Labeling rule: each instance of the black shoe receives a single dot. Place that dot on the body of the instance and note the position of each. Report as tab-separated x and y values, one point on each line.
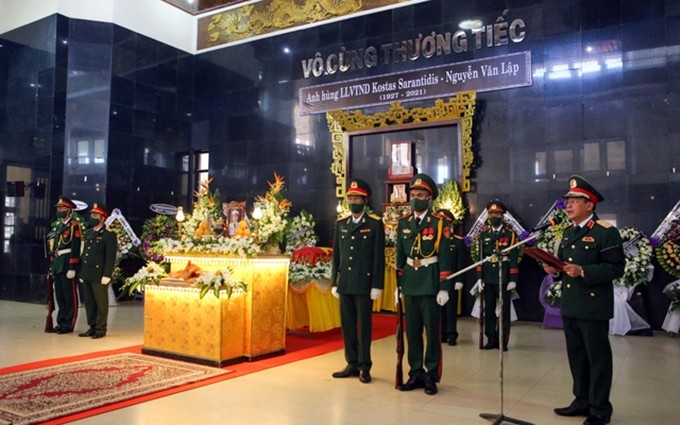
412	384
54	330
88	333
596	420
346	372
98	335
62	331
490	345
572	410
452	342
365	376
505	347
430	386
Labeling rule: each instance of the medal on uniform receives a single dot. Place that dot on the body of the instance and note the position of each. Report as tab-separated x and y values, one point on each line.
416	263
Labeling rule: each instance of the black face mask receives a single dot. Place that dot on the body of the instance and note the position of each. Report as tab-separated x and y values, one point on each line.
495	221
419	204
356	208
61	214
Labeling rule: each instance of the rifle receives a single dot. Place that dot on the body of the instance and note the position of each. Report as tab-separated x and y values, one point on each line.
49	326
399	378
481	304
47	248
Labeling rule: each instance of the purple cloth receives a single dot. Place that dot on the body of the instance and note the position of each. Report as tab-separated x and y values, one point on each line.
552	317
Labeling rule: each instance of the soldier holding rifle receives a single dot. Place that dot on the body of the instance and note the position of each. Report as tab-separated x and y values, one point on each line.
64	263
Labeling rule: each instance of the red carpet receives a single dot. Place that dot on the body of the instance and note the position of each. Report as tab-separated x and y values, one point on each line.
298	347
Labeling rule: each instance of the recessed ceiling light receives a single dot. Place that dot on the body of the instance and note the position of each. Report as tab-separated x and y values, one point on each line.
470	24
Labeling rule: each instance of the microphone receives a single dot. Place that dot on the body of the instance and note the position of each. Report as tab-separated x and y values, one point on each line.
552	222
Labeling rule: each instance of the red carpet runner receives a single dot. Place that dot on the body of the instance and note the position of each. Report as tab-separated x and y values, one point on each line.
298	347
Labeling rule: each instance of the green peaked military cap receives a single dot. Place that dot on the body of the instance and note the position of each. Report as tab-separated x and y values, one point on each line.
496	205
358	187
423	181
63	201
99	208
581	188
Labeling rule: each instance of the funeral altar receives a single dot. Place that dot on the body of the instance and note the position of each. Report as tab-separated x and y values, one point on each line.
222	329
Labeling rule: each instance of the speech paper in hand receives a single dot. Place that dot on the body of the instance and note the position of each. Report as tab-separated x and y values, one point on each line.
543	256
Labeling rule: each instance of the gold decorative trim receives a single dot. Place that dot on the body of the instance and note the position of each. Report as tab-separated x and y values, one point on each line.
460	109
271	16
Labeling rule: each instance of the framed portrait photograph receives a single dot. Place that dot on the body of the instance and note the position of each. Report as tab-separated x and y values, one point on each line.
400	161
234	212
398	193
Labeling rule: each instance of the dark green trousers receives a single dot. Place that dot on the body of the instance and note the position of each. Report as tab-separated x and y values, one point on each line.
356	319
96	300
490	319
423	311
590	361
67	300
450	317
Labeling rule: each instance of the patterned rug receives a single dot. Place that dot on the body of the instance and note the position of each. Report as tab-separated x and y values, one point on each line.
40	394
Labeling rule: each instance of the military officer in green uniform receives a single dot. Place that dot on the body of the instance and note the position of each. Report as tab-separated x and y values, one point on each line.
423	262
458	259
496	236
99	258
593	252
357	278
64	264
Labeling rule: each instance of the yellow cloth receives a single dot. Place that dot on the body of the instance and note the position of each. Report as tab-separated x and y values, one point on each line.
311	304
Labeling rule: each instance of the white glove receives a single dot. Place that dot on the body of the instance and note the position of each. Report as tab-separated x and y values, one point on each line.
105	280
70	274
442	297
334	291
375	293
512	285
458	286
479	286
396	297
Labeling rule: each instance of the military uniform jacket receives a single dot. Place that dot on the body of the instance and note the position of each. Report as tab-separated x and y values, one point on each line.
358	255
490	242
99	254
457	249
65	253
419	242
598	248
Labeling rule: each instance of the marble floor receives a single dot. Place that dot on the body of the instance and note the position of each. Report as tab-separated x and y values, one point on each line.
536	379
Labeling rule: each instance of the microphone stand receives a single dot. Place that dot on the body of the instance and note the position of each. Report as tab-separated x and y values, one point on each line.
499	418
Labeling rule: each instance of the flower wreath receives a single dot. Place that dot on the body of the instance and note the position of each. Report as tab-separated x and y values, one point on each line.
300	232
672	291
638	252
668	250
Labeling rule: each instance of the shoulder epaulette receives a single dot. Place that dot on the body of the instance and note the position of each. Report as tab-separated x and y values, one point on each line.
604	224
458	237
375	216
344	217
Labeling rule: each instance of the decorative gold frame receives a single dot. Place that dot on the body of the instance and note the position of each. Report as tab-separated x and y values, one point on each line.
459	109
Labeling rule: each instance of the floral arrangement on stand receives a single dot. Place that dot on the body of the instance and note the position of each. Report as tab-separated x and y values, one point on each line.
218	281
153	230
306	270
450	199
550	239
151	273
672	291
271	227
300	232
554	293
206	214
668	250
638	252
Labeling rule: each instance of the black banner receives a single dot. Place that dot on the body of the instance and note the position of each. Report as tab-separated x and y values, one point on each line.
480	75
